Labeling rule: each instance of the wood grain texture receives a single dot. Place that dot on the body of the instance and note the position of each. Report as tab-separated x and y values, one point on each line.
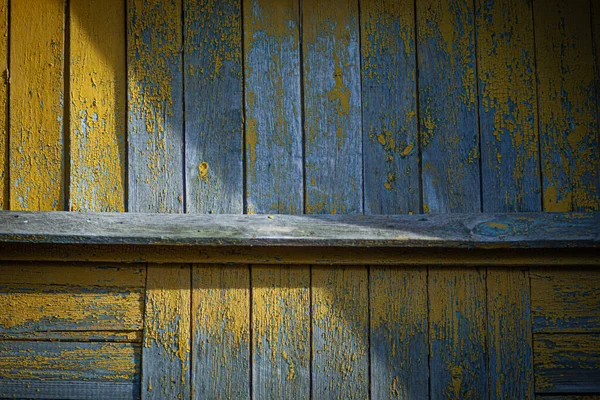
449	136
332	104
213	106
221	332
98	104
568	397
509	333
155	114
281	332
467	231
596	39
340	328
565	301
69	370
389	103
508	106
273	107
36	105
458	365
567	103
76	302
398	333
167	344
4	127
567	363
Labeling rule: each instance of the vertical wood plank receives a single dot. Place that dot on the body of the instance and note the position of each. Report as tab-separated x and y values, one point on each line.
281	332
568	108
213	106
273	106
98	79
457	326
398	329
166	352
4	80
221	334
508	115
509	333
340	326
596	38
36	104
389	103
333	144
449	133
155	106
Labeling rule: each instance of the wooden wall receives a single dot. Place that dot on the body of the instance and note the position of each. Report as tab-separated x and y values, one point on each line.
282	106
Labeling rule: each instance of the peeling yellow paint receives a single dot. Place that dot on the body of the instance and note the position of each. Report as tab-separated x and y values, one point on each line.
4	79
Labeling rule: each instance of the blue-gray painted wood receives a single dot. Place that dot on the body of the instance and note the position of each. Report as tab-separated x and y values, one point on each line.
332	104
507	106
65	370
449	135
273	107
155	109
213	106
389	103
567	363
398	333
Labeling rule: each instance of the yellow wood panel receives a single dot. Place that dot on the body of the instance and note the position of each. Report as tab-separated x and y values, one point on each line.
98	79
4	79
567	102
36	105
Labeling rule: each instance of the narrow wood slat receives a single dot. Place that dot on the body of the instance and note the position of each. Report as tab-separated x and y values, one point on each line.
4	100
340	329
213	106
167	344
155	114
595	15
221	334
281	332
97	105
509	333
449	136
389	103
332	104
567	102
273	107
565	301
508	106
567	363
36	105
567	397
398	333
76	336
457	334
61	370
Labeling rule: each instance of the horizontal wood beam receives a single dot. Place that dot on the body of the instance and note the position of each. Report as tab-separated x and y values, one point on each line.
458	231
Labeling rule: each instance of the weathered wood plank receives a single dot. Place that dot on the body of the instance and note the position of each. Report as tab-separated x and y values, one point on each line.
36	105
155	114
491	231
340	329
4	128
167	345
97	116
509	333
457	334
596	39
568	397
273	107
213	106
76	336
508	106
281	332
332	104
398	329
389	104
567	103
62	370
449	136
565	301
221	334
567	363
